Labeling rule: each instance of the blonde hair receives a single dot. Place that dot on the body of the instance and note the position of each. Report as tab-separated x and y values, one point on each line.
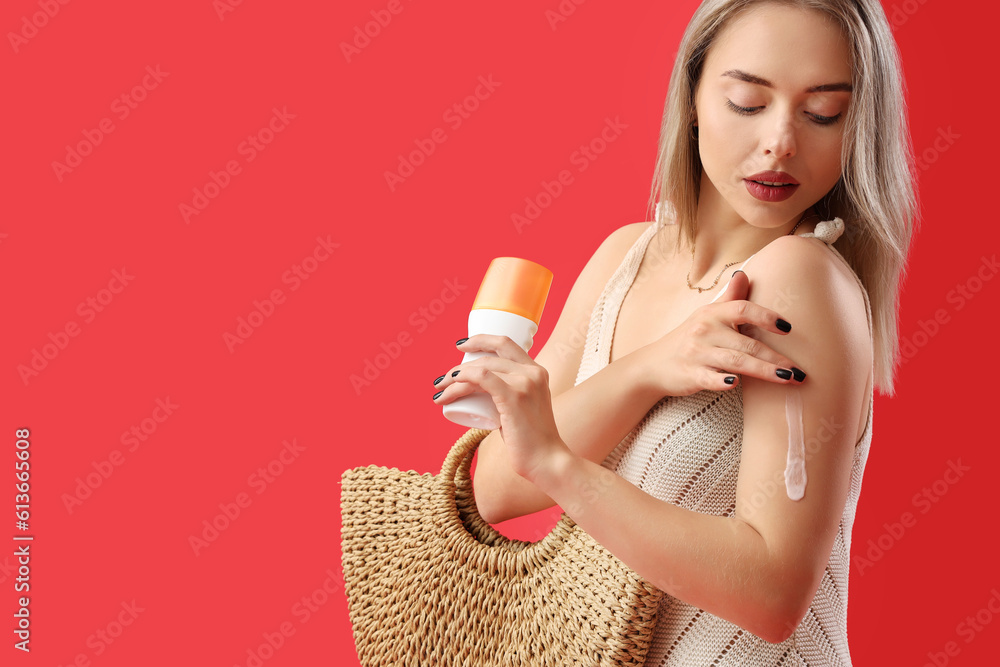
876	194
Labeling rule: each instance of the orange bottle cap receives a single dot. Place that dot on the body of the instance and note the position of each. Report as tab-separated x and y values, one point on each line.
515	285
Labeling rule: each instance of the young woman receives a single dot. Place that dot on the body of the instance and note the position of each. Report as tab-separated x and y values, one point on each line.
735	408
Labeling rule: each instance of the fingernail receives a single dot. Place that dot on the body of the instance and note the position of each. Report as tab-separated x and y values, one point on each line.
799	375
437	395
730	379
783	325
459	342
783	373
454	374
439	379
738	271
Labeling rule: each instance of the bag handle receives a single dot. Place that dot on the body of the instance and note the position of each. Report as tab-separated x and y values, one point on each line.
459	459
485	548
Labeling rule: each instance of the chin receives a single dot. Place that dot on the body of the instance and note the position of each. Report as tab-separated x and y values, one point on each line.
764	219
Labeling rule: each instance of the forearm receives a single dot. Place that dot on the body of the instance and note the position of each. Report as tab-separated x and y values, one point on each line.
592	418
719	564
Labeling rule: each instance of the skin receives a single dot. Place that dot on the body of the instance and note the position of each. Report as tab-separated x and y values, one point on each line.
759	568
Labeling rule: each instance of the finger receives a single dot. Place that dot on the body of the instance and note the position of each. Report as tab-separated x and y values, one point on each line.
737	291
736	362
490	362
738	288
750	346
747	312
503	346
471	380
719	380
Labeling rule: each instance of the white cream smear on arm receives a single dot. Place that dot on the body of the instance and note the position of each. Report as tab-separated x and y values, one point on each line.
795	467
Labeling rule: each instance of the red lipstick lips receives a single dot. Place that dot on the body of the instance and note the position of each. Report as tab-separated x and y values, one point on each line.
771	186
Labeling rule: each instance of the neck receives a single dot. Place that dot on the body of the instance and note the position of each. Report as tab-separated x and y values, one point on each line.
722	236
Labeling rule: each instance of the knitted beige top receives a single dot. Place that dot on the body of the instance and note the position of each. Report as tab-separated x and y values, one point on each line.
686	451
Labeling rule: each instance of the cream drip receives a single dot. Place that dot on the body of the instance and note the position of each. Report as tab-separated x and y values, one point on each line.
795	467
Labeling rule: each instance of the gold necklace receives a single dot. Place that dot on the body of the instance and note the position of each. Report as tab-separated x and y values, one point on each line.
716	281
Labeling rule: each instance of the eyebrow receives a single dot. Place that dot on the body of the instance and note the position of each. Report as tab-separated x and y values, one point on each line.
752	78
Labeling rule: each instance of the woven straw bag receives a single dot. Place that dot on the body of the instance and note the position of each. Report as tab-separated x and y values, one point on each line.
430	584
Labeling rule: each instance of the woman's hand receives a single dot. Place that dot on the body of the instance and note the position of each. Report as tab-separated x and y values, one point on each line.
708	351
520	391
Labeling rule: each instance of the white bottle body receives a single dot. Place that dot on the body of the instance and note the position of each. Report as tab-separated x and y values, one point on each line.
477	410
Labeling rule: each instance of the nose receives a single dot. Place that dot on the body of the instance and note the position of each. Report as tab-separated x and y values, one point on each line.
780	139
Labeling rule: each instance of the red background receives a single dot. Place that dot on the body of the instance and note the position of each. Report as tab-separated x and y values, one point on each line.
162	336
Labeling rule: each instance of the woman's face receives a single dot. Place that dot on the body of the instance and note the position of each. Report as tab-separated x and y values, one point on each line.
773	95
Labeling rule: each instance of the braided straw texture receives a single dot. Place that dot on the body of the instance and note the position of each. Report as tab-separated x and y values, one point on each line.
430	583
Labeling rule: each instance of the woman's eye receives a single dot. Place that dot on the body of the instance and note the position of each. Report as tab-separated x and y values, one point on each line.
825	120
743	111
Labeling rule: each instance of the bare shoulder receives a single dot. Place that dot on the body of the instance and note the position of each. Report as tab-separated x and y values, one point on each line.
620	241
805	275
606	259
563	351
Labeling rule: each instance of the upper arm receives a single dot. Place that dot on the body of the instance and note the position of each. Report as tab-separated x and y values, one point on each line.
810	288
563	351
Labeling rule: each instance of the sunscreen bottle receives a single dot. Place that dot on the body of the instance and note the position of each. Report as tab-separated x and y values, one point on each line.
509	303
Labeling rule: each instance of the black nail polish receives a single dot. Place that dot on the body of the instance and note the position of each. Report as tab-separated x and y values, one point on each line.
798	374
438	380
730	379
783	373
738	271
438	394
459	342
783	325
455	373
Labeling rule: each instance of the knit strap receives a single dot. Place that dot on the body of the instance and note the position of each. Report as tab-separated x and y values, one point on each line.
827	231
